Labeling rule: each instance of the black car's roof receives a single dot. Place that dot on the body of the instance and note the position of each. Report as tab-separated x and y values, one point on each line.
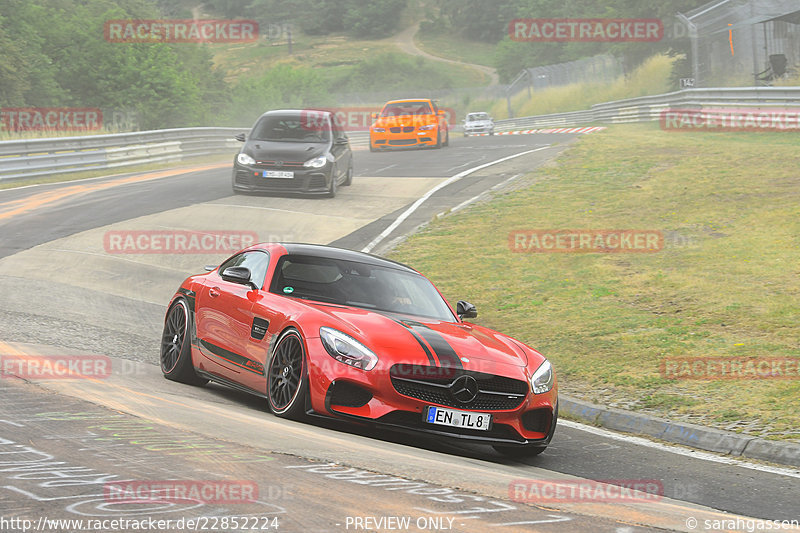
331	252
294	112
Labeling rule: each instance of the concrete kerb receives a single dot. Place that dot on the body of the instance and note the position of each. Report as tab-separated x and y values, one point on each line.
692	435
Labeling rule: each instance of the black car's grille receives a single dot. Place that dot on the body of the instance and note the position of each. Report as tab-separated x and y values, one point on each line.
316	182
268	163
434	385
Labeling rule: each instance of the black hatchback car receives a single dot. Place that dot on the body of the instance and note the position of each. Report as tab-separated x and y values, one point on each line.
293	150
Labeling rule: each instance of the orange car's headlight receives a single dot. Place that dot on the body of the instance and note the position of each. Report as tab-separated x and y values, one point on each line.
379	130
427	127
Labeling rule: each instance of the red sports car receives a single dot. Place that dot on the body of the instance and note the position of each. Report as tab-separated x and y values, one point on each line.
324	331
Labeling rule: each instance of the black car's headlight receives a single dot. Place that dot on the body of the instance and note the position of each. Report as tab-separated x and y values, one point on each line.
347	350
542	379
244	159
317	162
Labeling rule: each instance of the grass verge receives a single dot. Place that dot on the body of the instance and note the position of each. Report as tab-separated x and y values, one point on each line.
725	284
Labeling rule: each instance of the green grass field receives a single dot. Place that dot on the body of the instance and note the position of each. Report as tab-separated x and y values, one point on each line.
725	284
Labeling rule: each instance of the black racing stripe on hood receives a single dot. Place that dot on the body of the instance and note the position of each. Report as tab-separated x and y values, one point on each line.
431	360
446	354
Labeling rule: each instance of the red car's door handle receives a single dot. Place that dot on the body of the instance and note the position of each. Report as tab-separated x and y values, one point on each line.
213	292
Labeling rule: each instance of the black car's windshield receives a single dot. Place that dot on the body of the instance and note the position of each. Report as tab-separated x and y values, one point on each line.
357	284
291	128
407	108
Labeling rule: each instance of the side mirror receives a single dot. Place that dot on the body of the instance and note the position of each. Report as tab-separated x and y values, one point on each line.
239	275
209	268
465	310
441	113
241	137
342	141
374	115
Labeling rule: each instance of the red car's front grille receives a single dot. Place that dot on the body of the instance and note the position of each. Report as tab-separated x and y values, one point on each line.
433	385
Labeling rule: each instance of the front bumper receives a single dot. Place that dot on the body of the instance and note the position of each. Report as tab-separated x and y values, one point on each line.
305	180
479	130
403	139
372	397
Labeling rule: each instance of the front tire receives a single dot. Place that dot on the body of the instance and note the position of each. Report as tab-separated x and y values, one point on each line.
176	346
446	138
287	376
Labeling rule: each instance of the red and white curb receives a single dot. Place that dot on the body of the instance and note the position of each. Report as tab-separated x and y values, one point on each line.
550	130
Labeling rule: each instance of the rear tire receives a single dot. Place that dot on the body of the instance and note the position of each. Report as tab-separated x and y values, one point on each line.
438	140
446	138
176	346
287	377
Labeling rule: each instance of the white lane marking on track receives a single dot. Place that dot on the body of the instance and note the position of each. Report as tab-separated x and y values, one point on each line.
405	214
688	452
385	168
467	163
465	203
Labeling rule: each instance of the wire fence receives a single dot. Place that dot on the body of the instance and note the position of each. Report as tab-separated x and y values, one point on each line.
744	42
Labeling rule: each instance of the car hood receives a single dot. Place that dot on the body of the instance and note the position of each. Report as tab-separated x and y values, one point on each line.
284	151
404	339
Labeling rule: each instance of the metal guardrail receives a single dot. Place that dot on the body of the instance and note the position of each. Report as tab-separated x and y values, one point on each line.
39	157
61	155
30	158
649	108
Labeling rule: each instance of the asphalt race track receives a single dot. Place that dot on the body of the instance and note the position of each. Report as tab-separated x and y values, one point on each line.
66	292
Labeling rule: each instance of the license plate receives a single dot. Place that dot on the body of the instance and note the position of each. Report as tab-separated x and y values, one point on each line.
458	419
278	174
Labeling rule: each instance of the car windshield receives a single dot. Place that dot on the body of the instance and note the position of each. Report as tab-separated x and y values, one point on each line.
472	117
290	128
406	108
360	285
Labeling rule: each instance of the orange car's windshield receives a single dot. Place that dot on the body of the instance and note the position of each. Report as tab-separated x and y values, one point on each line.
407	108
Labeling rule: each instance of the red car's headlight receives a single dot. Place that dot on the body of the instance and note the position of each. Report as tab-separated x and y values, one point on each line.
542	380
347	350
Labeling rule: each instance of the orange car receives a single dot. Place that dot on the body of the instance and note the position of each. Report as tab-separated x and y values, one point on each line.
414	122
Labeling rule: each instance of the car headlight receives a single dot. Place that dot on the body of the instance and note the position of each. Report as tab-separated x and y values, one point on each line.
379	130
542	379
347	350
245	159
317	162
425	128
